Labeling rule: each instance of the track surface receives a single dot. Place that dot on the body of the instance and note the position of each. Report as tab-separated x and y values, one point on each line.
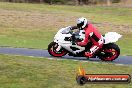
43	53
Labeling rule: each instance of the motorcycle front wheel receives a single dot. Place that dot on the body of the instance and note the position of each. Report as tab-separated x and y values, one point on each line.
109	52
52	50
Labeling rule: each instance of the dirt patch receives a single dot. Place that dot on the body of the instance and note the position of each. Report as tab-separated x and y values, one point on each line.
104	27
32	20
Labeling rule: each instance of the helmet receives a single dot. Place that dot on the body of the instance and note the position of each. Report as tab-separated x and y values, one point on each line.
82	22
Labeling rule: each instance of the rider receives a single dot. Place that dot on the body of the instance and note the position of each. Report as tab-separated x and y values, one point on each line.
90	33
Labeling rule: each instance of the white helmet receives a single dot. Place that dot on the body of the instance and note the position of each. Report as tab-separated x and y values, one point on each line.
82	22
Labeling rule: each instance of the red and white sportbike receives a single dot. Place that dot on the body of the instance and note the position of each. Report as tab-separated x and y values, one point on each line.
63	44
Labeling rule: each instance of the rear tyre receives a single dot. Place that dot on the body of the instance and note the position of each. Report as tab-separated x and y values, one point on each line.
52	50
109	52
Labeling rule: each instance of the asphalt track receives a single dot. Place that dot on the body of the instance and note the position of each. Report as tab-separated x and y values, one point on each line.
127	60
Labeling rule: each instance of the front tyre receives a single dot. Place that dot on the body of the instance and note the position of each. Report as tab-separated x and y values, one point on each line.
52	50
109	52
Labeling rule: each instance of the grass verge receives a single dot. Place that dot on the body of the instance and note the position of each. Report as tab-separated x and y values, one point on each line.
31	72
34	25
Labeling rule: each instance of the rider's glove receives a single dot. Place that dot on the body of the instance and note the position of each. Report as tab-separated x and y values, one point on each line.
79	43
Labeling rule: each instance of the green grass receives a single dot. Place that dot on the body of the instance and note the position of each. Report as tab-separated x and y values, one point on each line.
29	72
26	38
34	25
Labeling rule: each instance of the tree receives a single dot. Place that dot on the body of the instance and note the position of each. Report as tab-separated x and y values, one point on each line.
76	2
85	2
108	2
41	1
79	2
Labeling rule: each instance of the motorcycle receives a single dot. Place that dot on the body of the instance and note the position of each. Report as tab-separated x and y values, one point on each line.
65	43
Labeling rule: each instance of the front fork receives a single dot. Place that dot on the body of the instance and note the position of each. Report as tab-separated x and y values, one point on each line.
58	45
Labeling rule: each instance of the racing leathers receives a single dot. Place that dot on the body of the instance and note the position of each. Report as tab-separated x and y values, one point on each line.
95	37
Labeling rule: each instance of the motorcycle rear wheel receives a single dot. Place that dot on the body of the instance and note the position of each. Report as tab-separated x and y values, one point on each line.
109	52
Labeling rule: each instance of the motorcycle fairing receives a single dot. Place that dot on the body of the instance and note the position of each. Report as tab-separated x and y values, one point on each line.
60	39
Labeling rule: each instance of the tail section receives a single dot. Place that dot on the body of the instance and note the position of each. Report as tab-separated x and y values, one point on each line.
111	37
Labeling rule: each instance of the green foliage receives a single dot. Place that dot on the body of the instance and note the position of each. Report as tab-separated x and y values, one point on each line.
73	2
116	1
56	1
